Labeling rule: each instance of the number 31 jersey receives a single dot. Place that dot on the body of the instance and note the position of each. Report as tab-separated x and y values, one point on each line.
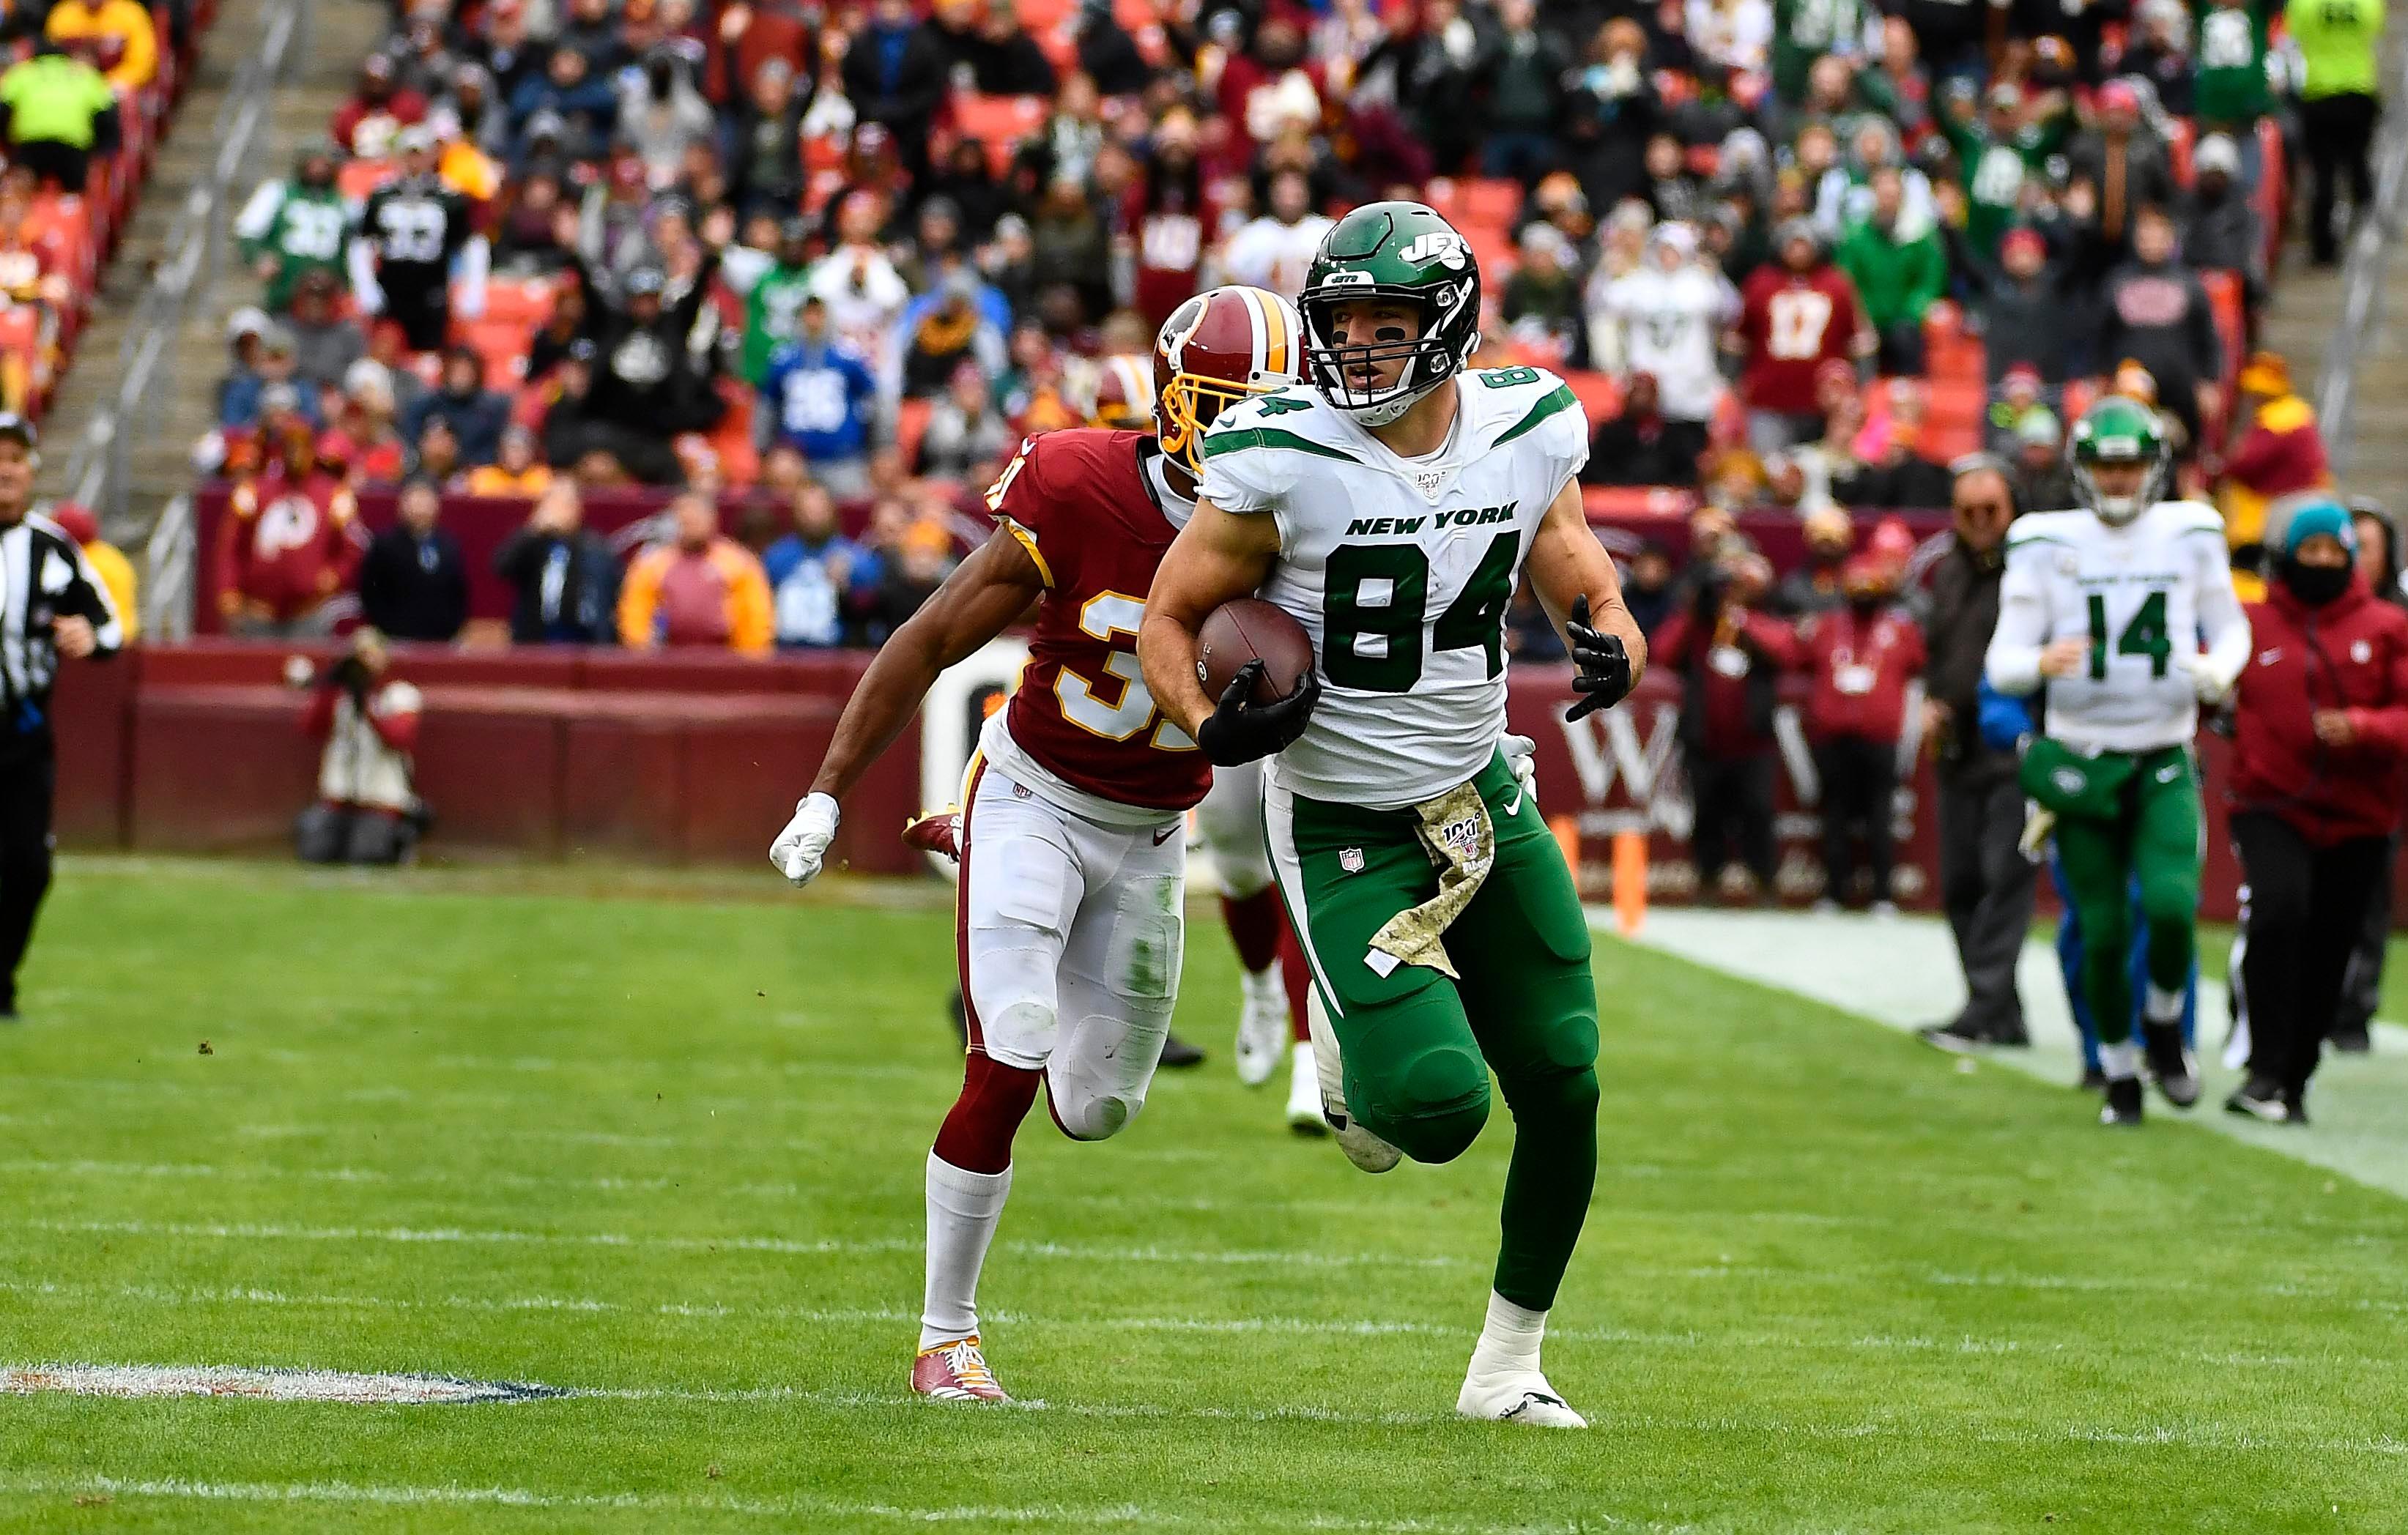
1400	569
2143	595
1091	508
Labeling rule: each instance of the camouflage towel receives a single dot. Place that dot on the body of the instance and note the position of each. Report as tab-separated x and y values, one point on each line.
1455	831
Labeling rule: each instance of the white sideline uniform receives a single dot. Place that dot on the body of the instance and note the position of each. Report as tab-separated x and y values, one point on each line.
1071	930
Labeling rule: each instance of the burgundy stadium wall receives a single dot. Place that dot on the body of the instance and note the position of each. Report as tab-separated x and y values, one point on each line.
698	758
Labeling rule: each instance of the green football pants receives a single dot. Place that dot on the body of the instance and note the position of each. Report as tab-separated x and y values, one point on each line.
2150	827
1418	1046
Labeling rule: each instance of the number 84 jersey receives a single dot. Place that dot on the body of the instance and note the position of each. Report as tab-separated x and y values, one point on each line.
1095	515
1400	569
2146	596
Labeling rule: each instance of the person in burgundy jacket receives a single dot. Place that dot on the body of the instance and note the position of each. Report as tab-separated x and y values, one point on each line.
1859	658
1729	658
2319	780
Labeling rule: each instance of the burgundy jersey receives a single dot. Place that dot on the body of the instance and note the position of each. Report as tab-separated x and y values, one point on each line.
1793	322
1081	502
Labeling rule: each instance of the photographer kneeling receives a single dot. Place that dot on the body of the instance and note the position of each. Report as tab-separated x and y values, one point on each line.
367	810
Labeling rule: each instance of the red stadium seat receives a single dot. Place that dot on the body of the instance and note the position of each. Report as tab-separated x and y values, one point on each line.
1602	503
2180	141
358	177
1492	203
521	301
2231	324
1600	394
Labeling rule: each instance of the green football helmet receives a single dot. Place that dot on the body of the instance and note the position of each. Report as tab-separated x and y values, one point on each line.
2120	431
1401	250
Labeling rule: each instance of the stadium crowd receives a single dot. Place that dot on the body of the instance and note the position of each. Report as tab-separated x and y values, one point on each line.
1798	255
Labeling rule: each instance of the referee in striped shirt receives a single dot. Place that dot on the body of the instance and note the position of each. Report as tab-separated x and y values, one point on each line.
52	605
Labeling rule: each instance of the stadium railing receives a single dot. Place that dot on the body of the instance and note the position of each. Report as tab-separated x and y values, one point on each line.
100	469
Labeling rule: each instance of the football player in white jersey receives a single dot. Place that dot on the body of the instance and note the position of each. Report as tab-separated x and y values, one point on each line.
1390	505
2106	607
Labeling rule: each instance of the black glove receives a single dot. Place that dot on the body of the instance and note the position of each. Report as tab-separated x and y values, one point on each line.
1603	664
1239	730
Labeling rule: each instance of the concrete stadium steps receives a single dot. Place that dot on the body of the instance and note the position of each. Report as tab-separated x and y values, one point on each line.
339	32
2303	320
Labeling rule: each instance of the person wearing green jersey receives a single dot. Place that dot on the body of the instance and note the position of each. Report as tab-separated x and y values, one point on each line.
771	308
1806	30
290	228
2337	41
2232	94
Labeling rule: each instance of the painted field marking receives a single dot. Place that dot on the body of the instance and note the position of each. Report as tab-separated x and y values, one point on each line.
1903	974
787	1507
342	1385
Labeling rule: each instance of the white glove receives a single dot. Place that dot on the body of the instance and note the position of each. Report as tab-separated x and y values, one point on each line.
804	841
2207	680
1522	756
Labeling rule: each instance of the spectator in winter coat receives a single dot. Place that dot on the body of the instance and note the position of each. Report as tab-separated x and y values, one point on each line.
2279	451
1816	585
895	75
2021	306
1898	268
661	114
2157	314
810	572
2221	230
701	588
2042	482
2117	169
1730	657
289	542
475	414
2319	778
413	582
564	576
376	109
325	341
967	436
1640	447
1859	658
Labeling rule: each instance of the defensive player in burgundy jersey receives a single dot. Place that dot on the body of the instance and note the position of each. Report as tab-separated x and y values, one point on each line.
1272	981
1072	834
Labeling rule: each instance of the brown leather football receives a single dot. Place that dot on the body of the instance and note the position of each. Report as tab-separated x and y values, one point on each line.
1250	629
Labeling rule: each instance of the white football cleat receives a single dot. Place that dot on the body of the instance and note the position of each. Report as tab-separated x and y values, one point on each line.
1262	1024
1363	1148
1514	1396
1304	1092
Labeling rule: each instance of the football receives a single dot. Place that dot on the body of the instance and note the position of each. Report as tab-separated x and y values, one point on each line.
1246	630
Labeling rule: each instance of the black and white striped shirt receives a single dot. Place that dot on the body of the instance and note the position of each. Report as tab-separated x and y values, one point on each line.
43	578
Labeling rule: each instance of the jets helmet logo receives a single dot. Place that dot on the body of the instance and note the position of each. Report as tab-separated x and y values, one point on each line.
1445	246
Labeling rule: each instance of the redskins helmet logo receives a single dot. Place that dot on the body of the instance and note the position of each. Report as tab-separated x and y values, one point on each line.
1217	348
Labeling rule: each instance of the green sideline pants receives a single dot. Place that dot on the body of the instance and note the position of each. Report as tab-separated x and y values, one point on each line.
2135	814
1418	1046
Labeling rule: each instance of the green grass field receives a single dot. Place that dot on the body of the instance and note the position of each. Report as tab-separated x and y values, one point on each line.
664	1146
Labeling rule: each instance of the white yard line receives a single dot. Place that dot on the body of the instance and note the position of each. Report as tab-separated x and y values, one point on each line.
1902	972
786	1506
245	1232
1783	1339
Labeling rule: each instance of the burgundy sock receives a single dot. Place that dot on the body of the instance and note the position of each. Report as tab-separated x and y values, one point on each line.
978	1130
1299	982
1254	926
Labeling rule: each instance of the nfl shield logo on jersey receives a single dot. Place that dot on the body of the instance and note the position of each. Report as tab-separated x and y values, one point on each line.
1430	480
1350	860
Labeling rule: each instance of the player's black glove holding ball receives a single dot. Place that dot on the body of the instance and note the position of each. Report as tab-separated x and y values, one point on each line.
1239	730
1602	664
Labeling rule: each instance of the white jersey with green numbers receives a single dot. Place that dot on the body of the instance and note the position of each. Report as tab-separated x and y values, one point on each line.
2154	599
1400	569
